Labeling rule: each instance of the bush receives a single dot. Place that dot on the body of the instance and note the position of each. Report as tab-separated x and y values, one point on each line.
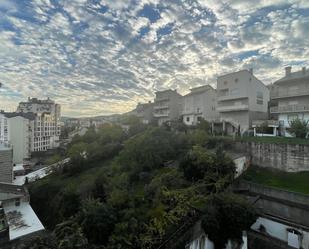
299	128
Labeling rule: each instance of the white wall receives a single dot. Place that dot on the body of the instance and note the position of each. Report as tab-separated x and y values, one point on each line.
279	230
19	138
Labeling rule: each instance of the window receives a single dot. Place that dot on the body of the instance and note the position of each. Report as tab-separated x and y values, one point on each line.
259	98
188	119
236	80
234	91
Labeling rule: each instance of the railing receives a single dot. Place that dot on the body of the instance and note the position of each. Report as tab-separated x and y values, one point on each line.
281	93
157	114
268	122
226	108
157	107
289	108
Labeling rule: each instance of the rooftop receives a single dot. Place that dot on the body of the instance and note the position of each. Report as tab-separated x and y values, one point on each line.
304	73
22	220
28	115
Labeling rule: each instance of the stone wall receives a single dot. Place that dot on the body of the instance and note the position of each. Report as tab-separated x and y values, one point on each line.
286	157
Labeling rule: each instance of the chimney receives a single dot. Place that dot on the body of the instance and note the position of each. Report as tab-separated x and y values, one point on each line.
304	70
288	71
251	70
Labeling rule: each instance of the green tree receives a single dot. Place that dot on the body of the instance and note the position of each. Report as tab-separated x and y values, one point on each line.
97	220
226	216
299	128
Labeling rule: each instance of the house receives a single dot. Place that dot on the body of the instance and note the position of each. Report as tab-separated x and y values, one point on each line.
241	98
290	98
199	104
167	106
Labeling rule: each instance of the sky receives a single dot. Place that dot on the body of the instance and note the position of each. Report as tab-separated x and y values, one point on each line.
99	57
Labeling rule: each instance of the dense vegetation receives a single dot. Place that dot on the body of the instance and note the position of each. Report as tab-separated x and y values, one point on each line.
134	189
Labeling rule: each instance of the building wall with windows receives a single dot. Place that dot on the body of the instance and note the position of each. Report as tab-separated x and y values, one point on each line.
290	97
199	104
47	125
241	97
6	163
167	106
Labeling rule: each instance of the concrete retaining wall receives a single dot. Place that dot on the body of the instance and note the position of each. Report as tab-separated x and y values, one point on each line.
286	157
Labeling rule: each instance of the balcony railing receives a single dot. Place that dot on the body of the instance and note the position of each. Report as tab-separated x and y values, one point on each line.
289	108
158	114
231	108
158	107
268	122
282	93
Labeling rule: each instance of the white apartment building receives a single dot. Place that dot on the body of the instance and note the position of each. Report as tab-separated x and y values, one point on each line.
199	104
167	106
290	98
47	125
241	98
17	130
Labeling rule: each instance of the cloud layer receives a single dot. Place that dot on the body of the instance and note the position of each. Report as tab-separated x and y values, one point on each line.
100	57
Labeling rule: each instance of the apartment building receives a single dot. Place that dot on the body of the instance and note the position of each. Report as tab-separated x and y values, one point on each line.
144	111
6	163
17	129
47	125
241	98
290	98
199	104
167	106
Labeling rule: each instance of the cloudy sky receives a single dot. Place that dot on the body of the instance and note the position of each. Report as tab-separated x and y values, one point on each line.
103	56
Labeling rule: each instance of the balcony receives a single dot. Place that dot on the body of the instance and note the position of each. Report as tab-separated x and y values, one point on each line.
283	93
270	123
233	108
159	107
231	97
160	115
289	108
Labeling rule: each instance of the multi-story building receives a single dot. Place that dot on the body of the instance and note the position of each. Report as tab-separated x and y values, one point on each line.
167	106
145	112
290	98
17	130
199	104
47	125
241	98
6	163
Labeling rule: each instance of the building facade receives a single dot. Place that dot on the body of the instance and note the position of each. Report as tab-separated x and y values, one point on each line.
6	163
167	106
241	99
290	98
199	104
47	125
17	130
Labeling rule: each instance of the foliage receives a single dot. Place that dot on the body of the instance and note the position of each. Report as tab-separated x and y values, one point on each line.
97	221
204	125
199	163
226	216
130	191
299	128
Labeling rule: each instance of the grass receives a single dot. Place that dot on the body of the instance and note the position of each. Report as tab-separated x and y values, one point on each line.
275	140
295	182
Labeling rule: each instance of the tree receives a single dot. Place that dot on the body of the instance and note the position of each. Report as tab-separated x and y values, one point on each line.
97	221
299	128
226	216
